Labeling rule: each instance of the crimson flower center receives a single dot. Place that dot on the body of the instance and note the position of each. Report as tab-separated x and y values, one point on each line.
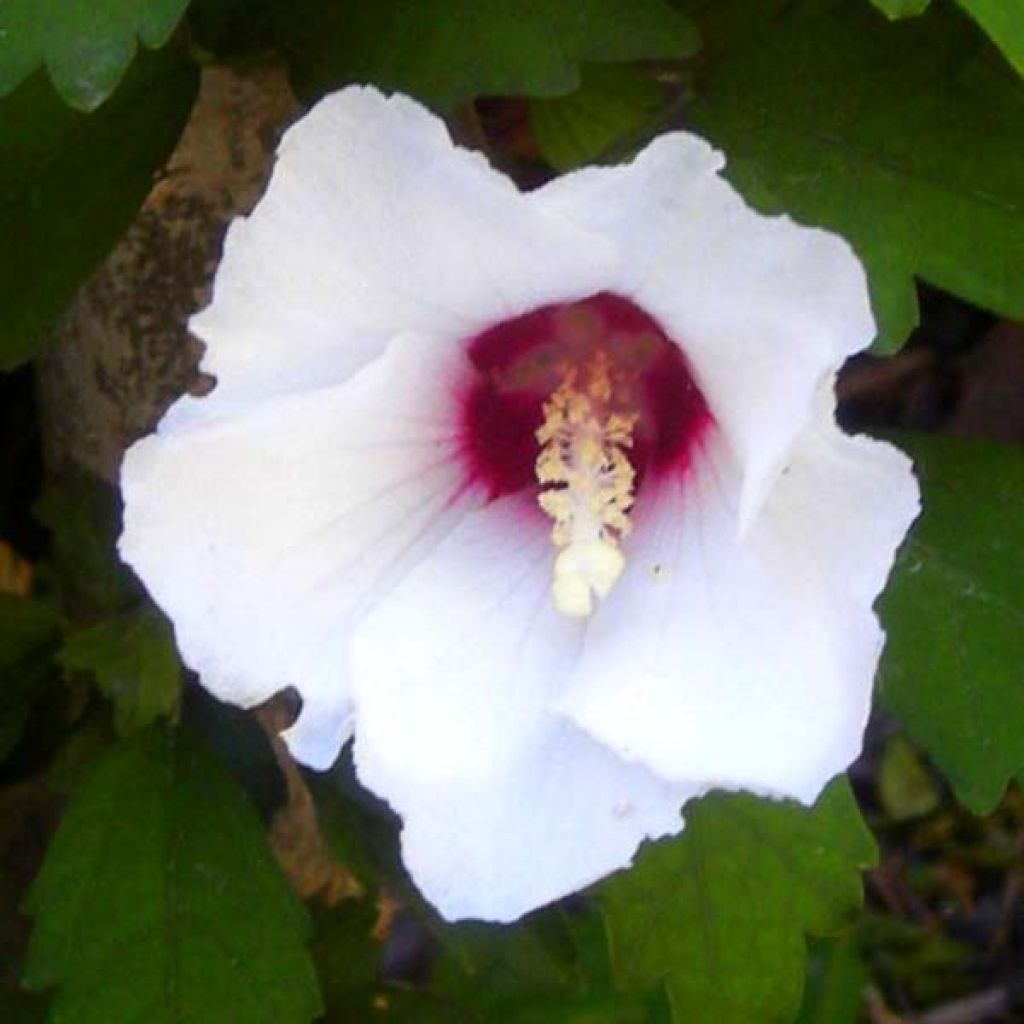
583	401
521	363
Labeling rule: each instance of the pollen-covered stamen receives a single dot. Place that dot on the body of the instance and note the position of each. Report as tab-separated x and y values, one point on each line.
586	483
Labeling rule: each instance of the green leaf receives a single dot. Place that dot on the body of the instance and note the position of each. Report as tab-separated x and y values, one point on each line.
347	958
86	45
29	633
835	984
71	183
924	963
903	137
905	788
448	51
494	963
238	741
600	1009
83	515
135	664
550	968
93	735
720	912
1003	20
427	1008
954	614
159	901
613	101
902	8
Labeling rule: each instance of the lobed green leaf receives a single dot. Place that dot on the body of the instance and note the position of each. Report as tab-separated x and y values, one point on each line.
904	138
903	783
836	981
135	664
448	51
902	8
613	101
550	967
954	615
159	901
85	45
1003	20
720	912
71	183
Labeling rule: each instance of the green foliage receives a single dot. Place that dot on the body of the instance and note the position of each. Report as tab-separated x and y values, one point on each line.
905	789
903	137
1003	20
551	967
71	183
496	964
902	8
239	743
135	664
92	735
954	612
159	901
721	911
19	1008
835	983
347	960
83	515
925	963
612	101
85	45
448	51
28	634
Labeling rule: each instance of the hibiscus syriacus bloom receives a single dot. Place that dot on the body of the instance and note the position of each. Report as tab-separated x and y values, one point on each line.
538	496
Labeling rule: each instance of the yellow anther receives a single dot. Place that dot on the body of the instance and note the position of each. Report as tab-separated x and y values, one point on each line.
587	484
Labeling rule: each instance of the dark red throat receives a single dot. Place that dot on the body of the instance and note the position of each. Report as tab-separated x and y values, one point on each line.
521	362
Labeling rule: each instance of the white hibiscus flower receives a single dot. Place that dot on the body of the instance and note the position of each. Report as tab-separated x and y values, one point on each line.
540	497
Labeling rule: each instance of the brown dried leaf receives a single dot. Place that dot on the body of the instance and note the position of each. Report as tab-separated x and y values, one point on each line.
302	852
15	573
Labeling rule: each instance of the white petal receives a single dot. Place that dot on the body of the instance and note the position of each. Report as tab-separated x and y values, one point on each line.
374	223
566	814
765	309
847	501
505	806
749	662
260	536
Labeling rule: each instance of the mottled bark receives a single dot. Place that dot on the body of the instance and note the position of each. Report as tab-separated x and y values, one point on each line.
123	352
